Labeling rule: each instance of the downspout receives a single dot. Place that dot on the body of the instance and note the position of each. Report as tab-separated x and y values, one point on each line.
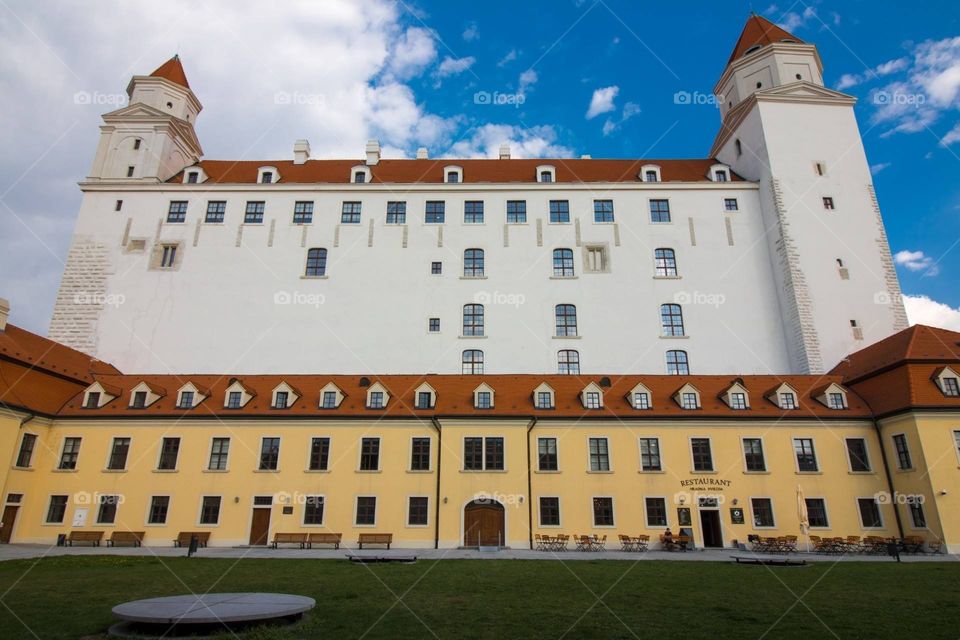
533	422
436	501
886	469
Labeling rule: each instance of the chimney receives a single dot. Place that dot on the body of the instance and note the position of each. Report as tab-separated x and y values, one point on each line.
422	153
504	152
301	151
4	313
373	152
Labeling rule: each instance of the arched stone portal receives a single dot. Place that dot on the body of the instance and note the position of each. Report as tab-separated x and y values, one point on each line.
483	524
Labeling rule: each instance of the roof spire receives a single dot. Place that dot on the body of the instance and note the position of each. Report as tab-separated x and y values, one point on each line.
172	70
758	32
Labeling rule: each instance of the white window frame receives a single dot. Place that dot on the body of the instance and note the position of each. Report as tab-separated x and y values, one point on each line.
613	511
368	436
356	508
826	510
206	467
540	524
453	169
146	516
303	512
106	464
743	455
816	455
609	468
406	515
659	450
310	439
200	509
866	446
856	504
753	518
713	458
646	516
274	179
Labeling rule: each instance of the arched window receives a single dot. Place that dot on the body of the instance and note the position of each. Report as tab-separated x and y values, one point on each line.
563	263
566	320
472	361
316	263
666	261
671	319
677	363
473	263
473	320
568	362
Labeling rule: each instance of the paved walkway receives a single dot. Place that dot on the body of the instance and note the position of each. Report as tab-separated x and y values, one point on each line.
26	551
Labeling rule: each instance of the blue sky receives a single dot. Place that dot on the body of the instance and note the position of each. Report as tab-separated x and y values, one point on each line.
552	78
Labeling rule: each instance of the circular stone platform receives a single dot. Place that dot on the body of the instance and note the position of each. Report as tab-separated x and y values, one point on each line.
210	612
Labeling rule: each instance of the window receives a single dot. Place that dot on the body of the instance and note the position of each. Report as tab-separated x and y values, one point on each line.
234	400
417	513
313	510
677	363
603	512
376	400
857	454
689	401
366	510
956	440
559	211
130	172
473	211
869	513
903	452
420	454
27	444
730	204
483	454
434	212
545	401
484	399
835	401
424	400
788	401
186	400
269	453
547	454
57	509
280	401
169	256
396	212
753	454
118	454
603	210
563	263
650	454
266	177
219	452
549	512
107	510
93	400
169	452
566	315
666	263
828	203
656	512
71	451
253	214
641	400
917	516
659	211
806	456
192	177
739	146
210	510
820	168
177	211
599	454
316	263
568	362
702	456
596	259
370	454
516	211
473	263
546	176
118	206
592	400
139	399
136	143
453	177
950	387
329	400
216	209
350	213
738	400
650	176
817	512
436	268
762	512
359	177
159	505
302	212
720	175
671	319
433	325
473	320
319	454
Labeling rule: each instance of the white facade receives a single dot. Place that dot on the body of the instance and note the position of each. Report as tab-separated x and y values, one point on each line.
760	287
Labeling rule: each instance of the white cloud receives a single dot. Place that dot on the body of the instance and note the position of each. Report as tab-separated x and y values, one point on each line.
891	66
471	33
609	127
952	136
454	66
848	80
630	110
880	166
508	58
527	79
533	142
792	20
916	261
412	53
602	101
923	310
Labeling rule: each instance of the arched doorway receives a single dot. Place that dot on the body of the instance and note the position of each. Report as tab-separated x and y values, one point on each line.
483	524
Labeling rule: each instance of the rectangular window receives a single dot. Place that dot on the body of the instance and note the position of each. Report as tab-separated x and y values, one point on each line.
484	399
788	401
599	454
366	510
27	444
656	512
545	400
186	400
483	454
702	455
280	401
350	213
857	453
71	451
806	456
650	454
302	212
951	387
828	203
397	212
603	210
159	505
57	509
603	512
420	454
689	401
319	454
473	454
107	510
216	210
118	454
177	211
596	259
139	399
753	454
169	451
376	399
130	172
549	512
192	177
219	452
118	206
329	400
473	211
903	452
641	400
836	401
547	454
370	454
738	400
659	211
869	513
434	212
417	513
592	400
559	211
493	454
563	263
433	326
234	400
313	510
916	514
425	400
817	512
436	268
253	214
93	400
210	510
516	211
762	512
269	454
169	256
665	261
266	177
730	204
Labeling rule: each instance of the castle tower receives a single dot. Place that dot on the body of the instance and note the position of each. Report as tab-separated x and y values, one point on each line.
782	128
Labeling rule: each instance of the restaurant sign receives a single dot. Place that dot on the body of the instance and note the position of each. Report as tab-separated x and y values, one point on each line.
705	484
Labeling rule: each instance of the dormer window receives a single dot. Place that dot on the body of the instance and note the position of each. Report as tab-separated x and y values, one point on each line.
236	395
688	397
234	400
755	47
185	401
280	400
330	396
736	396
650	176
641	400
192	177
836	401
452	175
720	175
425	396
543	397
592	396
650	173
951	387
947	380
98	395
360	175
92	401
689	401
788	401
738	400
268	175
265	178
483	397
139	400
377	396
546	173
142	396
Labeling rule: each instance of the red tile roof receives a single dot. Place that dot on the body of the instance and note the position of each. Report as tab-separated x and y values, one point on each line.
172	70
918	343
492	171
759	31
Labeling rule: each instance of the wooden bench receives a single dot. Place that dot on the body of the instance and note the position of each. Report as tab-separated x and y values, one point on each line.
93	537
183	539
126	537
324	538
289	538
375	538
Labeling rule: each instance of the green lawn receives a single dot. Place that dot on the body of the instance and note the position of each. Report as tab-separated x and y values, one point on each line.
71	597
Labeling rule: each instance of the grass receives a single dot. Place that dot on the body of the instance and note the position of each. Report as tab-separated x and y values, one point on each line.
71	597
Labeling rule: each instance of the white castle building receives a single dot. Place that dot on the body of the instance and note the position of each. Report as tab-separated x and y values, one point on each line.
768	256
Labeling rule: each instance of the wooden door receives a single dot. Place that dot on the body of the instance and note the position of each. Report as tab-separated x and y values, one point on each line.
710	526
483	525
260	526
9	517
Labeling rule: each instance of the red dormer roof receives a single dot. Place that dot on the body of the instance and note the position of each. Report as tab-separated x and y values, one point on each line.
172	70
759	31
919	343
